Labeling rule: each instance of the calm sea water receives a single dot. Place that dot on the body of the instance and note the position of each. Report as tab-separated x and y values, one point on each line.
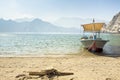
22	44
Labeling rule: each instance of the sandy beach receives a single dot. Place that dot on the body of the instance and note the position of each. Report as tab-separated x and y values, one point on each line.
84	67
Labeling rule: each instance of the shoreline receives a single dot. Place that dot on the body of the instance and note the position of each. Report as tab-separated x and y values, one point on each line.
82	54
38	55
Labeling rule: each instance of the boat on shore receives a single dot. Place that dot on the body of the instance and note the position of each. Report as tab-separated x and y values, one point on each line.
94	42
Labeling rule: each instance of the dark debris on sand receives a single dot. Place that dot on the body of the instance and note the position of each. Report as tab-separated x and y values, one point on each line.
49	74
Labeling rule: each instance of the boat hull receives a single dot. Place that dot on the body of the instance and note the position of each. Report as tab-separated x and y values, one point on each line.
94	45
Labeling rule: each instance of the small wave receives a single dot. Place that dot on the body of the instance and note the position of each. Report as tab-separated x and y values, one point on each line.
5	35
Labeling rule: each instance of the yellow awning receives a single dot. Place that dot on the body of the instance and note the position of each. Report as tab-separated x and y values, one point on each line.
96	27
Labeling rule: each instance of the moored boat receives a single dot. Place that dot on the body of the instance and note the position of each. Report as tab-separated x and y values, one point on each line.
94	42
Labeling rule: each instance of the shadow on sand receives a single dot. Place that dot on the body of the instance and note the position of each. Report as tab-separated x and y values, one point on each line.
108	51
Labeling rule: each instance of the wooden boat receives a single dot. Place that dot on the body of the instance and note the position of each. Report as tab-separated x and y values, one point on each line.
93	43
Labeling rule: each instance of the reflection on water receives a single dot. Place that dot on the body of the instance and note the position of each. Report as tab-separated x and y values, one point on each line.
112	50
113	46
39	44
11	44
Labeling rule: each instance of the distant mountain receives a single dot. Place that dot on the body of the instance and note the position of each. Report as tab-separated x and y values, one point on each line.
24	19
114	24
36	25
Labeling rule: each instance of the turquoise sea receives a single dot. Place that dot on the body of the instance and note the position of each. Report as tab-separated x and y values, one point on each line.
42	44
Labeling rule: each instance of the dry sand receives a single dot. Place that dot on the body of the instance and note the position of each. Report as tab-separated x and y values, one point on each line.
90	67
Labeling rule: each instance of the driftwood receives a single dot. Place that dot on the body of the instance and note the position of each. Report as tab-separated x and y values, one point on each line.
20	75
51	73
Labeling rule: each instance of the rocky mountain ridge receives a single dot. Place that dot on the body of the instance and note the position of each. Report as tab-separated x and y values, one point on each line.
114	25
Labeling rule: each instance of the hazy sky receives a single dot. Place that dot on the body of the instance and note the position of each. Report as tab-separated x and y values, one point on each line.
51	10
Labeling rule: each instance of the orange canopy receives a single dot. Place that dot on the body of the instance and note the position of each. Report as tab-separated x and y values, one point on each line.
93	27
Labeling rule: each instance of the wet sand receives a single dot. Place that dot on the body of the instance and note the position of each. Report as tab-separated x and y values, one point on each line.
84	67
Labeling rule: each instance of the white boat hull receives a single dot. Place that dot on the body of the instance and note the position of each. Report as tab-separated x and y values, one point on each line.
97	45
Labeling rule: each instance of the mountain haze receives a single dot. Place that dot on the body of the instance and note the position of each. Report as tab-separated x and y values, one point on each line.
36	25
75	22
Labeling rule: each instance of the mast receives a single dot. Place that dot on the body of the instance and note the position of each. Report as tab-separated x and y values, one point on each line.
93	24
94	35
